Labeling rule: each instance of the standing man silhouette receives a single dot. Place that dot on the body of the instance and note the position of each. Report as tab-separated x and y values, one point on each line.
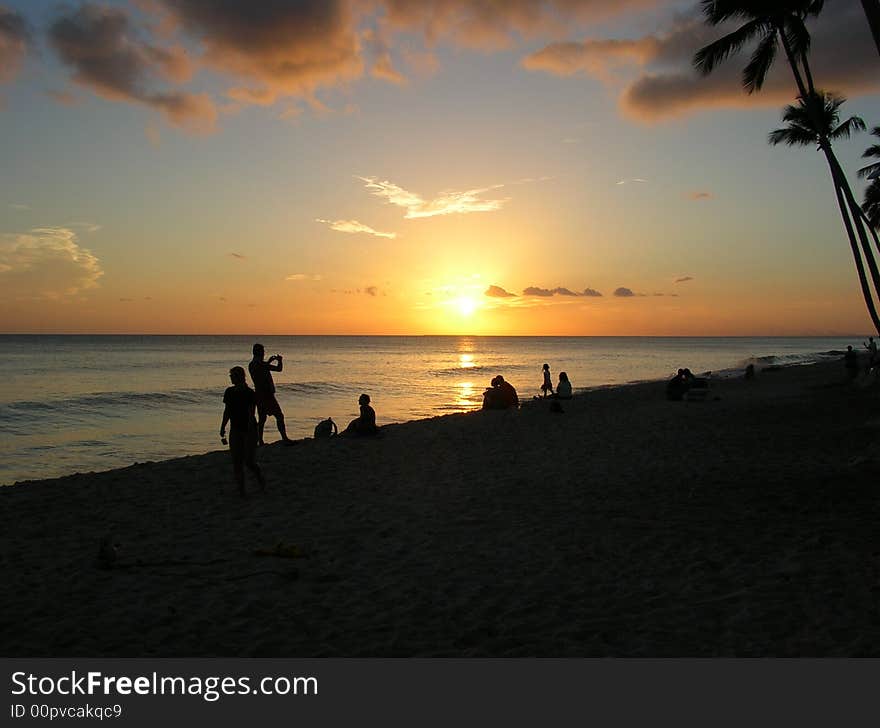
261	374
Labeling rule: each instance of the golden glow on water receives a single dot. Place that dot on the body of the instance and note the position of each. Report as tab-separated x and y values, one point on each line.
466	361
465	393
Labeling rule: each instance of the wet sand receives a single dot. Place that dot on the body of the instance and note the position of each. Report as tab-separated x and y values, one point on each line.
626	526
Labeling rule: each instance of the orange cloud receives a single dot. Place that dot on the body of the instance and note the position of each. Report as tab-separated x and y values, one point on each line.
843	58
275	48
109	57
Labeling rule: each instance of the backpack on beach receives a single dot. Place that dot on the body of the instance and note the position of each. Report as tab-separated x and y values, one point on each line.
325	428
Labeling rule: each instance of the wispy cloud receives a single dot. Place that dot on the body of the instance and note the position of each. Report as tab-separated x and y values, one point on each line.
19	206
89	227
353	226
303	277
237	256
629	180
624	292
684	279
450	202
700	195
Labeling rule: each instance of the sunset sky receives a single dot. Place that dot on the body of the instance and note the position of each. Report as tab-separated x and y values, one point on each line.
399	167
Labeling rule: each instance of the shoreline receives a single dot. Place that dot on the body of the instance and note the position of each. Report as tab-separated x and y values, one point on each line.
627	526
720	375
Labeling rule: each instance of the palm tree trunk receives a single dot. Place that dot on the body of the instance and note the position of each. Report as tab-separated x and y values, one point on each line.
870	228
792	61
857	212
872	11
840	187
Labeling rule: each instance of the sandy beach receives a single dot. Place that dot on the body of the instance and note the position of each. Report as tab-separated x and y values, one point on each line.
626	526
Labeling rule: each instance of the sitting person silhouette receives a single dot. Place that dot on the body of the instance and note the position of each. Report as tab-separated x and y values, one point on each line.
365	425
240	403
501	395
563	388
677	386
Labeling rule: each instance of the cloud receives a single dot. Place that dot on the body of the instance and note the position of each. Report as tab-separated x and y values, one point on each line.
303	277
108	56
447	203
353	226
275	48
661	83
371	291
46	263
560	291
700	195
64	98
536	291
89	227
684	279
237	256
488	25
383	66
19	206
498	292
630	179
623	292
15	39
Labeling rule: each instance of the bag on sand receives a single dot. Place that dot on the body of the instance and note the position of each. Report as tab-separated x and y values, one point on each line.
325	428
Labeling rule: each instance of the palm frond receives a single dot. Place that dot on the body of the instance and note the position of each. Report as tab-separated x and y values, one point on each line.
762	59
792	136
849	127
718	11
797	35
706	59
871	205
871	171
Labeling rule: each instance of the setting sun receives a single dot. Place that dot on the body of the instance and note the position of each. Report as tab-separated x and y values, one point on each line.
467	305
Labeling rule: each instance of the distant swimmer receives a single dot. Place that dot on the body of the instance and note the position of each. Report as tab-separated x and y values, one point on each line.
261	374
239	402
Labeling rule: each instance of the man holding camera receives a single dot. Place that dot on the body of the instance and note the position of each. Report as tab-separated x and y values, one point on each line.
261	374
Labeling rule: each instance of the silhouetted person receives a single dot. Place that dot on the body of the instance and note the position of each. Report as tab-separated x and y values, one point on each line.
677	386
547	386
871	346
365	424
240	401
501	395
750	372
851	363
563	387
261	375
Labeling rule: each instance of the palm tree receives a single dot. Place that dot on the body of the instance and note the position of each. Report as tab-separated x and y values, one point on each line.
871	205
815	119
872	11
771	23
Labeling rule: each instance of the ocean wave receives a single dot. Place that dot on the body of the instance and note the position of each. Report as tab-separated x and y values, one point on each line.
784	360
108	402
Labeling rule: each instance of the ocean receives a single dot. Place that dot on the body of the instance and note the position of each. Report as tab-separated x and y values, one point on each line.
85	403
